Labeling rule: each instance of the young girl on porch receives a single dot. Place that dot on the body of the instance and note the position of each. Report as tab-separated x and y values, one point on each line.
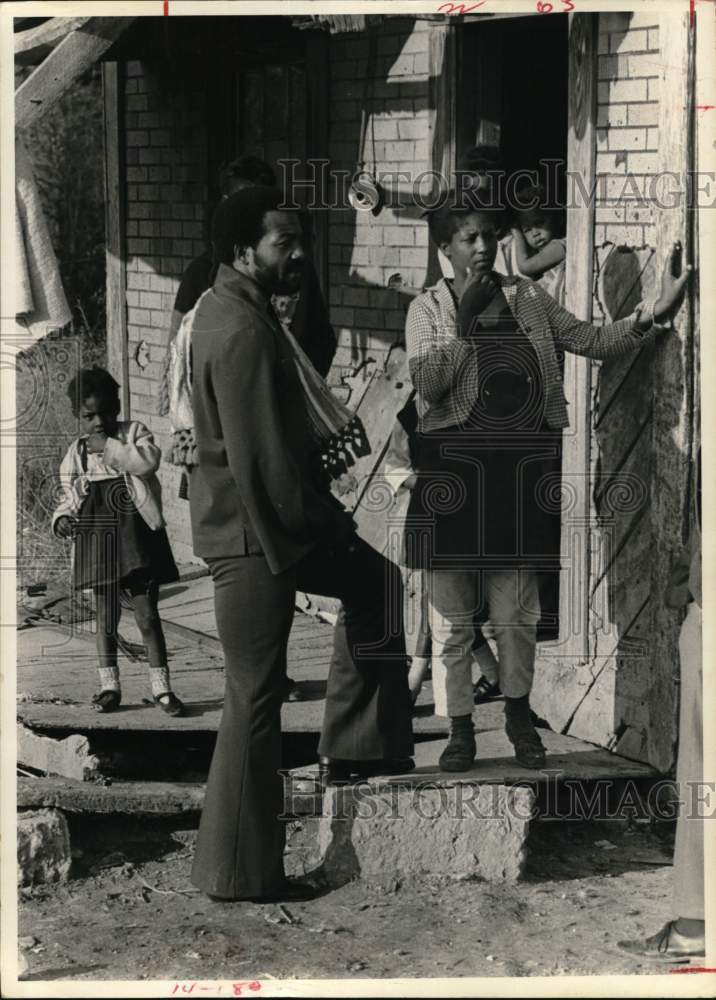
482	354
111	508
537	248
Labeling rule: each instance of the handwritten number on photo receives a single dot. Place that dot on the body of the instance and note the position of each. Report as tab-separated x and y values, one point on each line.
459	8
545	7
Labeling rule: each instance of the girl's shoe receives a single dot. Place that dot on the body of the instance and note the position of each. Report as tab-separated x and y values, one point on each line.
169	703
107	701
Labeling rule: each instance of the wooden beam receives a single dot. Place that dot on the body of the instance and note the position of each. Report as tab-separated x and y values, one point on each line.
672	426
73	56
442	125
581	163
33	45
116	281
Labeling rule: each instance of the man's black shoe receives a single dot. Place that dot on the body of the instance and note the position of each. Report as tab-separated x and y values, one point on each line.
292	891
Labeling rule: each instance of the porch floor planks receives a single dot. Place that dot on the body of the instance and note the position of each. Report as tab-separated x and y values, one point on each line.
567	759
53	665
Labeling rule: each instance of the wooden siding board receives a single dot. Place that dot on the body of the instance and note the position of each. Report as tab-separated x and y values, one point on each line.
673	372
581	158
115	223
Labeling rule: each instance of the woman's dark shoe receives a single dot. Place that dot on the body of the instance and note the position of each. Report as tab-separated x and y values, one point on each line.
292	891
107	701
350	771
485	691
459	754
529	749
169	703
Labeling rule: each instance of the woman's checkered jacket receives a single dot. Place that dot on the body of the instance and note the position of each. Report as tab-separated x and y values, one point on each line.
443	363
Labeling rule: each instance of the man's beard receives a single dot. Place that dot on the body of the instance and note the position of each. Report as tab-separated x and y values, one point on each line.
274	281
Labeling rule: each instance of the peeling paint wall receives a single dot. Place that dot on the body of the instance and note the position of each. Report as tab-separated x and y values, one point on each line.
625	696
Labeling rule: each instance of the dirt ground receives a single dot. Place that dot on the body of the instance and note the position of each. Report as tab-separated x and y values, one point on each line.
132	914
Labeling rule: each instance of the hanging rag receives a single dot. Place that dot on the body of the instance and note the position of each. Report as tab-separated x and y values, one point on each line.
40	302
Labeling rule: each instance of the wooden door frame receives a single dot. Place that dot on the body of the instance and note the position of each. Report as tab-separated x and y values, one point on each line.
581	158
115	229
576	548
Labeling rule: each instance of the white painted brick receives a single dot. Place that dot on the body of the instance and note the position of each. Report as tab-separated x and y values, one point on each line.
366	236
400	151
653	38
607	164
399	236
609	214
612	114
417	129
643	163
385	255
625	235
413	257
654	89
623	188
652	138
420	63
643	114
627	138
628	41
383	129
613	67
624	90
645	64
639	212
404	65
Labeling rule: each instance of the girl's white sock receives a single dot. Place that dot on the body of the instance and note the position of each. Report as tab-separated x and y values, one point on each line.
159	677
109	679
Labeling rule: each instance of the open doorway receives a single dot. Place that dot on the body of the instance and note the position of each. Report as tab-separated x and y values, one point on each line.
513	89
512	96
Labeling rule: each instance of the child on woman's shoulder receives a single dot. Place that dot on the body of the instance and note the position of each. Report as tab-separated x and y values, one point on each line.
537	248
111	508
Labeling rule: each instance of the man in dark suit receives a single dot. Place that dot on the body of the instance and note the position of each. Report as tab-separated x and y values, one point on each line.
266	523
310	322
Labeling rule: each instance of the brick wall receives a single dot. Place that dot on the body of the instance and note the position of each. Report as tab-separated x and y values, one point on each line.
627	126
166	198
365	250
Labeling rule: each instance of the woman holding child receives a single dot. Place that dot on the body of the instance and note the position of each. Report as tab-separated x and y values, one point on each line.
483	357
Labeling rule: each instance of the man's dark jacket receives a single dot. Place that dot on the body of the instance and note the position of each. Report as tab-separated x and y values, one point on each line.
254	489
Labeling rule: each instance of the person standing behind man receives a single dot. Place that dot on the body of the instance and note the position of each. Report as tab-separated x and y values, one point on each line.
305	312
310	323
264	520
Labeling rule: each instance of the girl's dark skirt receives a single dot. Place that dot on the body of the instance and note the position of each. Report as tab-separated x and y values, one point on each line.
113	542
482	504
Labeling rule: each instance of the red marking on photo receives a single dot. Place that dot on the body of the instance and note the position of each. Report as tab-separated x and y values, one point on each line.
459	8
680	969
166	8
